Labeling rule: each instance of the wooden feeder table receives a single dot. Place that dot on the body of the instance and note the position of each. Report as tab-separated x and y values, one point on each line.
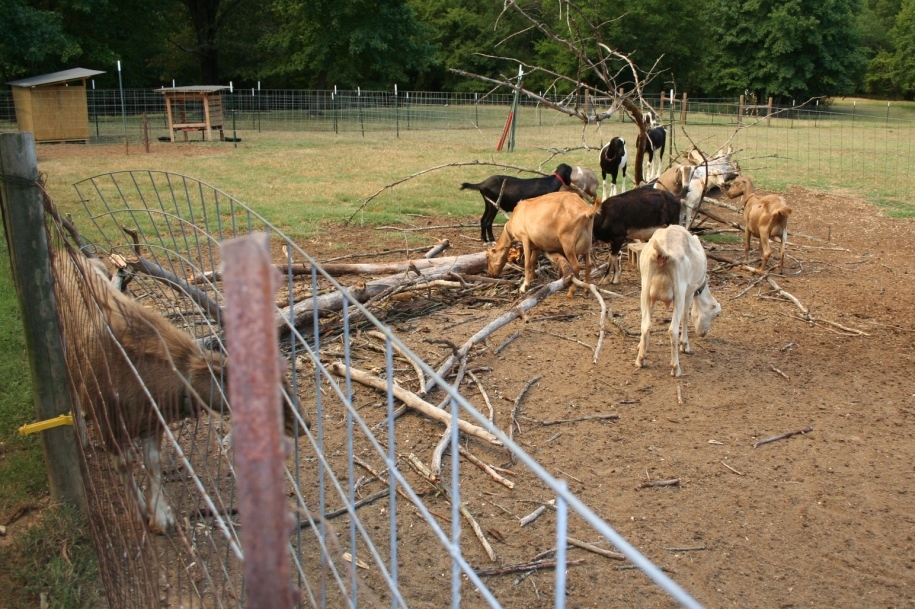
196	108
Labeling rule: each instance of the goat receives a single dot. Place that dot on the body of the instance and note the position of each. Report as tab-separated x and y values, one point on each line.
584	182
118	350
764	217
613	158
675	179
673	268
633	215
504	192
556	223
657	141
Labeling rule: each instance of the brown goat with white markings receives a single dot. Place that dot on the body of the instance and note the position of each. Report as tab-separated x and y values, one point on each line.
557	223
764	217
129	366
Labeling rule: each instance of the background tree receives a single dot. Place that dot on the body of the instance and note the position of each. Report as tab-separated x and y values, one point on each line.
794	49
322	43
33	41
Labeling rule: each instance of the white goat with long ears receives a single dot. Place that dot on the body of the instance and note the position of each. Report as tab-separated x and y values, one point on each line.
673	267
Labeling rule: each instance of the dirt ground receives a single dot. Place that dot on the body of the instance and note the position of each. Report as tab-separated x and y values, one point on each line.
823	519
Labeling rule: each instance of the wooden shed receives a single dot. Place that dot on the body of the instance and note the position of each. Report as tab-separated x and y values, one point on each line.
197	108
53	106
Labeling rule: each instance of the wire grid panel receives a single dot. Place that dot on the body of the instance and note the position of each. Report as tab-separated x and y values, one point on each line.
372	525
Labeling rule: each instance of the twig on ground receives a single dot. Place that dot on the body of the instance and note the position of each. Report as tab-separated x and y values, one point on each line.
527	566
739	473
652	483
517	402
474	378
590	417
783	436
537	513
779	372
486	468
592	548
422	470
506	342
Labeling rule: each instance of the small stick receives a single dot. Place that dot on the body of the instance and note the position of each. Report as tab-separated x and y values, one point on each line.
592	548
486	468
507	342
438	249
514	420
790	297
739	473
527	566
419	371
783	436
422	470
537	513
603	313
439	452
779	372
680	396
688	549
590	417
672	482
474	378
788	346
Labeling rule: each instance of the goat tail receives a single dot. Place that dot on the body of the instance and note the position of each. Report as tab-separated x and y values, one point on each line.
784	212
467	185
663	256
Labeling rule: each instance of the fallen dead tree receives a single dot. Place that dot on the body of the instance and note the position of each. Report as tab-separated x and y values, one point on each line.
431	270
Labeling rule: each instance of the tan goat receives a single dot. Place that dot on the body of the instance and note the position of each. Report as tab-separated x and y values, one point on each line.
557	223
133	372
764	217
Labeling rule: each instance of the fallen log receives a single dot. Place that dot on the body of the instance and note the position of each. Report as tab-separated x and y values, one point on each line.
429	270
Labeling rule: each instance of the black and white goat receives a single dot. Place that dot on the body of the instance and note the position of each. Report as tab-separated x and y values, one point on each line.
613	158
504	192
657	141
636	214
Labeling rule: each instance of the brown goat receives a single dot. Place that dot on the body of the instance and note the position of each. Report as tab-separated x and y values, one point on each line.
764	217
133	373
557	223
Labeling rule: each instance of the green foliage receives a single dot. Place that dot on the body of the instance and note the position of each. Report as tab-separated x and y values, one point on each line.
357	43
54	557
793	49
32	39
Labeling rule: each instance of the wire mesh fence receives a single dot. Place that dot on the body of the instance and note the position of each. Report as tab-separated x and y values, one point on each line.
378	514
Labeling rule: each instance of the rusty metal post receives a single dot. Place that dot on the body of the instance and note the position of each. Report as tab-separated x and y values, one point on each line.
250	282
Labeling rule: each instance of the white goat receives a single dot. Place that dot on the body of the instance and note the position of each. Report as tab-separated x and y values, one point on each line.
673	267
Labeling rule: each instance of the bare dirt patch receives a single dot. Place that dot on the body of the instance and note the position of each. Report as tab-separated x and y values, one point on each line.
824	519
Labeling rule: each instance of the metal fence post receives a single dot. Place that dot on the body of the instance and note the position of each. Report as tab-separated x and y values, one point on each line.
21	200
254	389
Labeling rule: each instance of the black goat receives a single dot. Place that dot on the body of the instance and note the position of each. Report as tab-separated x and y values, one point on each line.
636	214
657	141
612	159
504	192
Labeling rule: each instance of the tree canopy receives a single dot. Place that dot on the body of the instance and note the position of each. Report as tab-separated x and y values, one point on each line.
785	48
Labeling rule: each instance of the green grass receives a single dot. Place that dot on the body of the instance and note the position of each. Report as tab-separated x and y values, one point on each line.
22	473
722	238
55	557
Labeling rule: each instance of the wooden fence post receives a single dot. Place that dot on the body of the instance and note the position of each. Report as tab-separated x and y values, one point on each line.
769	113
683	110
740	110
26	235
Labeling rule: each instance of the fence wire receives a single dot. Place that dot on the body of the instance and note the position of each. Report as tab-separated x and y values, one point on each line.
372	526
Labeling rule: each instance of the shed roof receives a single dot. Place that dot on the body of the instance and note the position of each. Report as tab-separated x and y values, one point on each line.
55	77
193	89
